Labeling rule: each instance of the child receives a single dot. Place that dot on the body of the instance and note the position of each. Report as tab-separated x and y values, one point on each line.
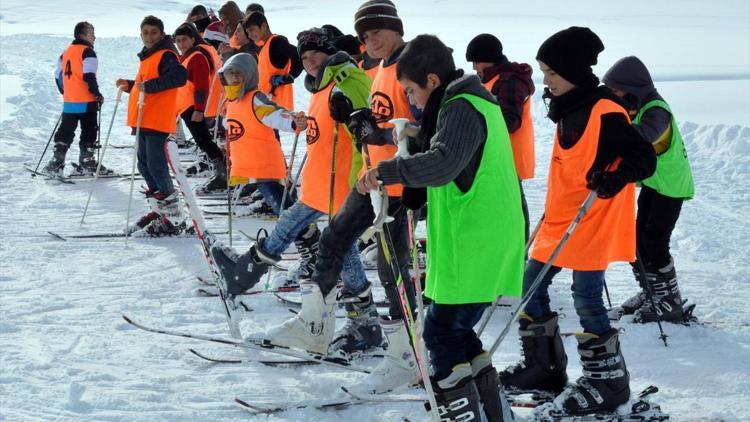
192	99
159	75
510	83
597	149
466	163
255	154
76	81
330	72
661	196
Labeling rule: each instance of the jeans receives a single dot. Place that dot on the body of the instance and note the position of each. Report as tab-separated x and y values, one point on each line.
152	162
657	216
67	130
202	136
450	337
292	222
272	193
587	291
354	217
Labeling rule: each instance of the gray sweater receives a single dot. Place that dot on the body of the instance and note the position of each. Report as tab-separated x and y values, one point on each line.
460	133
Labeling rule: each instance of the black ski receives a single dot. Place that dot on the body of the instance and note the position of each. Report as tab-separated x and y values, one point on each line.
278	362
47	176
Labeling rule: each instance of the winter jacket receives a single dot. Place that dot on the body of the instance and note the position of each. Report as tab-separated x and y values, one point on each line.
511	90
617	137
199	74
89	67
171	73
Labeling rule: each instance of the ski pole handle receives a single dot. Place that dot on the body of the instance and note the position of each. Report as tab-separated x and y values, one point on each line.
400	125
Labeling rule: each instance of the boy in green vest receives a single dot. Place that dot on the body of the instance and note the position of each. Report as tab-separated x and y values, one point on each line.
662	194
462	156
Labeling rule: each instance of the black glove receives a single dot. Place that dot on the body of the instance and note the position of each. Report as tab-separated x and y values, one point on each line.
278	80
365	129
607	184
100	99
340	107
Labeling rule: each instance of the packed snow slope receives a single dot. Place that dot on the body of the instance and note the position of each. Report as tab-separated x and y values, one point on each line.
68	355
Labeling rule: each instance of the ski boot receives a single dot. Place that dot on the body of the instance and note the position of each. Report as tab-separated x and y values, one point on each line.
362	332
307	246
491	394
457	396
544	359
666	296
218	183
637	300
199	168
242	272
313	327
56	165
605	383
259	208
398	367
148	218
87	167
170	221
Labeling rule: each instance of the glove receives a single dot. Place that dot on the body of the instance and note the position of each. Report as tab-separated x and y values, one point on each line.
100	99
340	107
607	184
277	80
365	129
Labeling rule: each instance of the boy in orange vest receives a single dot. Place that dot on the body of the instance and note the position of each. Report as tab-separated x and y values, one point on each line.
510	83
595	148
192	100
76	81
159	75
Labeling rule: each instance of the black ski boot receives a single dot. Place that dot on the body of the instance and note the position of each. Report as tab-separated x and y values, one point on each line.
633	303
87	167
307	246
457	396
605	383
362	331
242	272
56	165
218	183
544	359
491	394
199	168
667	298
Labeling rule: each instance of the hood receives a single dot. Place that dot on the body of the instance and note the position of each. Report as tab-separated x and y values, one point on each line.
467	84
520	71
166	43
629	74
247	66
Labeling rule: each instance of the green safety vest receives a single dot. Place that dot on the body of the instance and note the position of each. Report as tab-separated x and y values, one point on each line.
475	240
672	177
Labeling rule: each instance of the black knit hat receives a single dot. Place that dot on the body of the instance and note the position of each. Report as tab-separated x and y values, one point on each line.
485	48
318	39
377	14
571	53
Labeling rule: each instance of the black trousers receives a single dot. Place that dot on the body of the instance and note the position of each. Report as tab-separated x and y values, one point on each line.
655	221
354	217
202	136
66	132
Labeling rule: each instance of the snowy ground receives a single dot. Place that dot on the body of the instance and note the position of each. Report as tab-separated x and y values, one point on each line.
67	354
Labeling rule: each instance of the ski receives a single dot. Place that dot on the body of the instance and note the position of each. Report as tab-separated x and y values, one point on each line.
267	362
116	235
260	344
47	176
636	410
208	292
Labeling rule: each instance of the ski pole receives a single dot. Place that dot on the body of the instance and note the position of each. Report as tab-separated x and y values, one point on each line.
650	291
141	98
289	173
331	187
491	310
103	153
59	119
538	280
98	131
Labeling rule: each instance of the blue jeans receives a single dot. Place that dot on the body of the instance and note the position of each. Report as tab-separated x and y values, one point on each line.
272	193
152	162
587	296
450	337
294	220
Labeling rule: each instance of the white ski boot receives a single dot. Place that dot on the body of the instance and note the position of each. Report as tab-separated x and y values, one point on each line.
313	327
398	367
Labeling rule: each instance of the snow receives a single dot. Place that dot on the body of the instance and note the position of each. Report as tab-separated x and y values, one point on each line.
67	354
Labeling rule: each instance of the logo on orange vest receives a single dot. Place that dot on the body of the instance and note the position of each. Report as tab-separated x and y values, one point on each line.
236	130
382	107
313	131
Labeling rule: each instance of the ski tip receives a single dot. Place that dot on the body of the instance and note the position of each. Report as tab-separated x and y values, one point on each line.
243	403
57	236
128	320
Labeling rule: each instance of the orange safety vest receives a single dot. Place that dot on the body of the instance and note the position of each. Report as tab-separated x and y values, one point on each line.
317	172
283	95
387	101
371	72
254	151
607	232
186	93
522	140
233	41
75	89
159	109
214	92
